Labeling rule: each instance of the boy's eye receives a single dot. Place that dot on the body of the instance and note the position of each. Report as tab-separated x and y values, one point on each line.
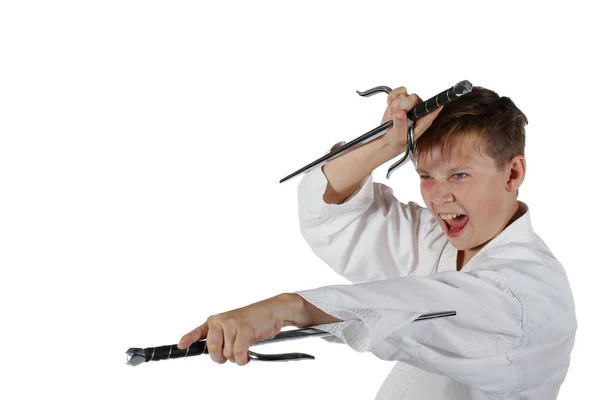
460	175
425	177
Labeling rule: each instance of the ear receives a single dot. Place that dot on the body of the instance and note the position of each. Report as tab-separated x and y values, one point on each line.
517	168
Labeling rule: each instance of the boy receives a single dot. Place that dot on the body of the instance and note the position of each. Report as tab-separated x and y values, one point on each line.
472	250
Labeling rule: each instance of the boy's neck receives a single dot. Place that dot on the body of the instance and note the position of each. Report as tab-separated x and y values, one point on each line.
463	256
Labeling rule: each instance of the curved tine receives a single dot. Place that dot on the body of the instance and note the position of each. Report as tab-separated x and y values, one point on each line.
377	89
396	165
252	355
410	139
410	150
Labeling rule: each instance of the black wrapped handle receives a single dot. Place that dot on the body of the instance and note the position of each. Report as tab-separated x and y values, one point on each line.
439	100
171	351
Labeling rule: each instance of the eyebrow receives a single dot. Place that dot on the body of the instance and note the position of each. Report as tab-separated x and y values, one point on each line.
449	172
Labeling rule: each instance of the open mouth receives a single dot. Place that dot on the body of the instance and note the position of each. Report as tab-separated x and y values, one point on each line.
455	222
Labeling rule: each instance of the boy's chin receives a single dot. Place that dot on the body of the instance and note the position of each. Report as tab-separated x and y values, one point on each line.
464	244
459	244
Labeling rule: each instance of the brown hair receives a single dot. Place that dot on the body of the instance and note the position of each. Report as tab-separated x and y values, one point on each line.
483	114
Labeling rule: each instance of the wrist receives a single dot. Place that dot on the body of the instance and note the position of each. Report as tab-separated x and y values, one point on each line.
386	151
295	311
290	308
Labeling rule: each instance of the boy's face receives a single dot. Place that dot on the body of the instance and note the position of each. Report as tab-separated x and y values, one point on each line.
467	183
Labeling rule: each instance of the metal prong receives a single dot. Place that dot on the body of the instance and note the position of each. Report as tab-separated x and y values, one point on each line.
279	357
410	150
135	356
377	89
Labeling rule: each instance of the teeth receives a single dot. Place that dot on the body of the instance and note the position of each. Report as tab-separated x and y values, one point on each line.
448	216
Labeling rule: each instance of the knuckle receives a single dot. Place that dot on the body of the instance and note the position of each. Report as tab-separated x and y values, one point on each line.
402	95
240	352
414	99
399	100
400	91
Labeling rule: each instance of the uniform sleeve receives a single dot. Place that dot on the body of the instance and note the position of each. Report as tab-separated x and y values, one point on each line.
371	228
378	317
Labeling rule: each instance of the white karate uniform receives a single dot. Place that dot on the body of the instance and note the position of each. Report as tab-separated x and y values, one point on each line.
515	324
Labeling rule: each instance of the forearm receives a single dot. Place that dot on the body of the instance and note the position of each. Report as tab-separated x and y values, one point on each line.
345	173
296	311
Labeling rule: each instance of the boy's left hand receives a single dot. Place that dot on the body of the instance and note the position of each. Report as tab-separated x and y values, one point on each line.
229	335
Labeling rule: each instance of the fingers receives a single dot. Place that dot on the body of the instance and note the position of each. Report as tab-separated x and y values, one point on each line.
214	343
395	93
397	112
229	336
400	124
240	349
224	341
400	101
404	102
197	334
392	96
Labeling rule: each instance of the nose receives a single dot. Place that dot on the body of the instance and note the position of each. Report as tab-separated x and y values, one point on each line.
440	193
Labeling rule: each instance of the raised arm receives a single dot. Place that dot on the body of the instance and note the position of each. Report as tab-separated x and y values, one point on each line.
346	218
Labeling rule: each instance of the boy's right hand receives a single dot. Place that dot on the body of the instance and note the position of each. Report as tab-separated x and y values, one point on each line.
399	103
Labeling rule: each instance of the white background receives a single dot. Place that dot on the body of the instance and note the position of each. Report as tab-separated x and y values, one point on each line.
141	148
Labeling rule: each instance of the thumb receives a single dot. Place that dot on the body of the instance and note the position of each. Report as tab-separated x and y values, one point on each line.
197	334
400	121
